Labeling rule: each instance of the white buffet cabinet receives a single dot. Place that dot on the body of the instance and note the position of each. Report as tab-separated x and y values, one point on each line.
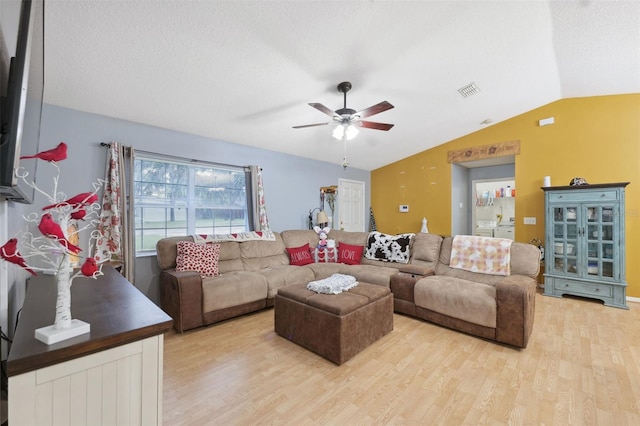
110	376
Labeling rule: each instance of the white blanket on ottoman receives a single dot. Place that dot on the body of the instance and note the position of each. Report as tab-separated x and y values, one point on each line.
335	284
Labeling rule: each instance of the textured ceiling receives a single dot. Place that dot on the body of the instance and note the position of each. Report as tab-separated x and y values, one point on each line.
244	71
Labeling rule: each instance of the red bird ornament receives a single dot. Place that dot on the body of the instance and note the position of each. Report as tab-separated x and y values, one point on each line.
78	214
58	153
9	252
77	200
51	229
89	267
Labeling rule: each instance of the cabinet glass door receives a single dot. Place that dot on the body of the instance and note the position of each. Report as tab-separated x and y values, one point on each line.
565	232
600	241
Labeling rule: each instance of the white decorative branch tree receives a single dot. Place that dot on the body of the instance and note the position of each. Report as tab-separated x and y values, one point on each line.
53	244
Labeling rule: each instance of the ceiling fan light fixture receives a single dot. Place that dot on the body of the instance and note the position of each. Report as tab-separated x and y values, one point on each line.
349	131
338	132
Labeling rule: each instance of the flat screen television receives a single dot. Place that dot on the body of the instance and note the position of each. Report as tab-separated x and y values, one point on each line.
21	109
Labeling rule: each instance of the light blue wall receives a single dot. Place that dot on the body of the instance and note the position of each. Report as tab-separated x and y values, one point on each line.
460	200
291	183
491	172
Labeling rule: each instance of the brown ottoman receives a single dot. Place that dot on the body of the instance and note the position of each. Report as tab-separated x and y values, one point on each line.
335	326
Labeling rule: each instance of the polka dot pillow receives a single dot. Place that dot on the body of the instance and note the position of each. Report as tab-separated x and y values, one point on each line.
201	258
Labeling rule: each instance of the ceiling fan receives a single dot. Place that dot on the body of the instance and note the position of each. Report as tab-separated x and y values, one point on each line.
349	119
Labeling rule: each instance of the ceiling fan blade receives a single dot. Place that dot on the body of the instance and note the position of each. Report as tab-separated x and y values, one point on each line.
310	125
372	110
374	125
323	109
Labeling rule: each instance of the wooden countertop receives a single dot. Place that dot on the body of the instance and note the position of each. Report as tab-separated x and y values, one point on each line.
117	312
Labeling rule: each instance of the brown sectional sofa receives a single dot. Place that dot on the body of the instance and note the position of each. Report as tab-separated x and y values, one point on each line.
490	306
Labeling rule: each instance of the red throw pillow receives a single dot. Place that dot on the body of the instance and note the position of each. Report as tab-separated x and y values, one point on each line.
349	254
201	258
300	256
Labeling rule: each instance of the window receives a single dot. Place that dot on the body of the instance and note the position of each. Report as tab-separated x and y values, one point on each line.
175	198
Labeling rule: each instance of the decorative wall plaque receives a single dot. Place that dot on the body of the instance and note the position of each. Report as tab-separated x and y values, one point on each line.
483	152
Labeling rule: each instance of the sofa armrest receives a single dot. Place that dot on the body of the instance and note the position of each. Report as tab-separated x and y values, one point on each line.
181	298
420	270
515	305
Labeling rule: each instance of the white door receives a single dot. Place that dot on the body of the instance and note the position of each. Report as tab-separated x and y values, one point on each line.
351	205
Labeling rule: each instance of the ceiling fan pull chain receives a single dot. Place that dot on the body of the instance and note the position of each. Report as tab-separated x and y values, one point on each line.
344	158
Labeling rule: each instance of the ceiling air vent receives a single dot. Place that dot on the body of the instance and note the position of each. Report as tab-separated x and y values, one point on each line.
469	90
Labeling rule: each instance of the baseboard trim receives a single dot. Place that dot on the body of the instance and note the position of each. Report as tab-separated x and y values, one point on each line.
633	299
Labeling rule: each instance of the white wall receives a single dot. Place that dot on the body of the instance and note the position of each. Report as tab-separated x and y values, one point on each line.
460	204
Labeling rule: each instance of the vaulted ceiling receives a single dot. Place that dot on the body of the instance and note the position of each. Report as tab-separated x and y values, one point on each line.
244	71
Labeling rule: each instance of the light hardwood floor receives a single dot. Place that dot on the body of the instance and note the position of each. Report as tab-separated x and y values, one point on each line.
582	367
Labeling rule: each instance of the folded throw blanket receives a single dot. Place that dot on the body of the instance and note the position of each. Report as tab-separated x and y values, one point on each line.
335	284
484	255
239	236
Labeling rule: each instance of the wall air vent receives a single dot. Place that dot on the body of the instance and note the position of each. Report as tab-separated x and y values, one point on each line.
469	90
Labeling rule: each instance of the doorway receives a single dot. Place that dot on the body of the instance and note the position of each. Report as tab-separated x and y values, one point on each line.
463	195
351	204
494	208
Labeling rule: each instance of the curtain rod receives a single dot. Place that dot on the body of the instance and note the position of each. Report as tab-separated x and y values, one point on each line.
174	157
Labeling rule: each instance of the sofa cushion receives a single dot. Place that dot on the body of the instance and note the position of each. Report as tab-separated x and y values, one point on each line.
286	275
299	237
201	258
350	237
167	251
232	289
324	270
299	256
458	298
389	248
381	263
230	257
349	254
425	249
257	255
378	275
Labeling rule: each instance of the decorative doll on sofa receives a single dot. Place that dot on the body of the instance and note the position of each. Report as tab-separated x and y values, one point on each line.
322	235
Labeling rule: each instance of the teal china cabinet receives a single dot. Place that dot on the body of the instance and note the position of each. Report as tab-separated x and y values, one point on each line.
584	232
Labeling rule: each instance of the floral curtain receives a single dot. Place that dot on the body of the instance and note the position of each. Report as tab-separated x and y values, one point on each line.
116	240
260	220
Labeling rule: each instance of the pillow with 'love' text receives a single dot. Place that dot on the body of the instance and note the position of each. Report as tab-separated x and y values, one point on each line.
349	254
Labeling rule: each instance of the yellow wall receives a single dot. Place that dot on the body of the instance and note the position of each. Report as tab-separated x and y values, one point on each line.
597	138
